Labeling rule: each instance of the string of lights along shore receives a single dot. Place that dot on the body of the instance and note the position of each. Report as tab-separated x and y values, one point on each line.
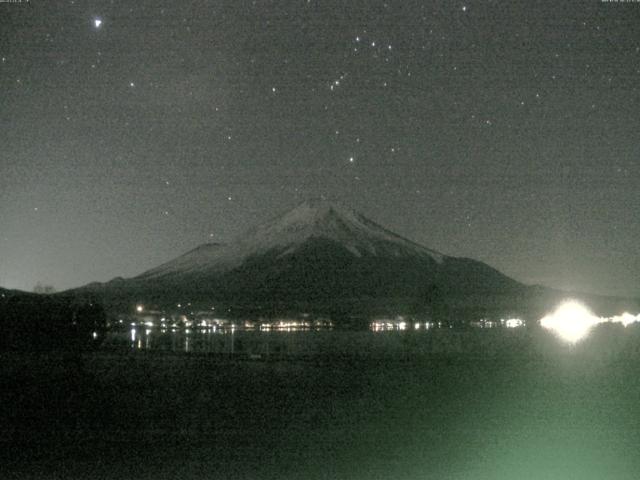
506	132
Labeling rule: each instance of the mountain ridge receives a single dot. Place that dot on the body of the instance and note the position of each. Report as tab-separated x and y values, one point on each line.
325	258
320	256
287	232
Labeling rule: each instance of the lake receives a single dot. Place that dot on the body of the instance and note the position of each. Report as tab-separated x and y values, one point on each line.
492	404
261	343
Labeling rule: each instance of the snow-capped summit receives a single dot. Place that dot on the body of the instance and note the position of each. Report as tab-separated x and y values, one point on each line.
312	220
327	220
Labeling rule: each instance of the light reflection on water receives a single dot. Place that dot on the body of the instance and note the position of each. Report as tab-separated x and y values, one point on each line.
258	341
231	340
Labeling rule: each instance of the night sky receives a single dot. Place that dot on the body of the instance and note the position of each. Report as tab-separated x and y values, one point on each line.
133	131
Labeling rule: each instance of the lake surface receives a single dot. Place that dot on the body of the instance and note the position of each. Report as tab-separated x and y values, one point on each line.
527	407
312	342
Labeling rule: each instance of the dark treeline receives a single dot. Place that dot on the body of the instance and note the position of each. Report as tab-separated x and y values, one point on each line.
49	322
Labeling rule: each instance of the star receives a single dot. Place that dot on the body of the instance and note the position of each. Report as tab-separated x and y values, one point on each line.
97	22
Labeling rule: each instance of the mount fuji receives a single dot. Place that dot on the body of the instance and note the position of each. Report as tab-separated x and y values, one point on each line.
315	221
320	256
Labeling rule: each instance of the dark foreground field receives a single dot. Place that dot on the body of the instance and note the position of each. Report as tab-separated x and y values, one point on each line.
538	410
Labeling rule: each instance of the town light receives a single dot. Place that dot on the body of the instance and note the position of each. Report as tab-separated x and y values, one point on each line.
571	321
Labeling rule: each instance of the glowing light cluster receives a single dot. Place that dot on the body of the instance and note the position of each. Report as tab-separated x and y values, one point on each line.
512	322
286	325
625	319
398	324
572	321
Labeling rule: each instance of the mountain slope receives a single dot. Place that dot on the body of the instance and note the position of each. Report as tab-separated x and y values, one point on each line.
309	221
317	255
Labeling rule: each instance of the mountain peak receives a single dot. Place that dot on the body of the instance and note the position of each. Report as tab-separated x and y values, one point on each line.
320	254
314	219
311	213
319	207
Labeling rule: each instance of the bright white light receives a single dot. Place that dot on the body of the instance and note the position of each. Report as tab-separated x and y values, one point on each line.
139	308
571	321
625	319
97	22
513	323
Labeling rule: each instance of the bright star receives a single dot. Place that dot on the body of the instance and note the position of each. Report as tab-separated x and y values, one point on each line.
97	22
